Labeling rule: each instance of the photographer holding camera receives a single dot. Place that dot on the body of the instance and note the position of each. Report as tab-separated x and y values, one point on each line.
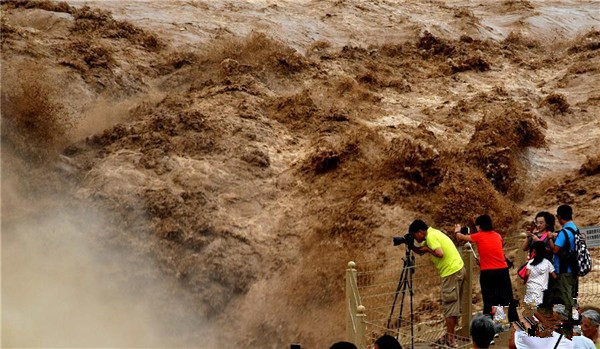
540	230
449	265
496	287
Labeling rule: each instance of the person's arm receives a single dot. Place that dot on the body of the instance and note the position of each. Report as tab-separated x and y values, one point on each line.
420	250
527	273
555	246
511	341
464	237
460	236
553	274
434	245
425	249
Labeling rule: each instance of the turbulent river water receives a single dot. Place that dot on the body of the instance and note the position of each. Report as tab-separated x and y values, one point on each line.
199	173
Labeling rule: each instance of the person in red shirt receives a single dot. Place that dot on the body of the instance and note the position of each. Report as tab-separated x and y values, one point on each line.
496	287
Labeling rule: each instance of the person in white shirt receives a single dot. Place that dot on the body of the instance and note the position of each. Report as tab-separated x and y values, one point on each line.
551	335
590	326
539	269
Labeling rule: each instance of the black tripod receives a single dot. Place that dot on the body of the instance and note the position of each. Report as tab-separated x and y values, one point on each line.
406	281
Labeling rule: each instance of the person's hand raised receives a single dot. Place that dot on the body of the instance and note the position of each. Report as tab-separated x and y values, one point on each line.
457	228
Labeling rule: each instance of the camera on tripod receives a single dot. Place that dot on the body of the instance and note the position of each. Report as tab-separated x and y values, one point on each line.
407	239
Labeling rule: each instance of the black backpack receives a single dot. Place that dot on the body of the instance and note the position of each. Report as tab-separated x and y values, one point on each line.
584	261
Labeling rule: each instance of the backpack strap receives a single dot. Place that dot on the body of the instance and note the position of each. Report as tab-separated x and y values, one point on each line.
568	242
573	231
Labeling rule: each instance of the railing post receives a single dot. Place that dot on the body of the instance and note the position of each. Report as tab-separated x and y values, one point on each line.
350	302
467	293
520	259
361	328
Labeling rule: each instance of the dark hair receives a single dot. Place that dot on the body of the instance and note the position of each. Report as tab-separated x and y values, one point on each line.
565	212
482	331
343	345
387	342
416	226
540	250
484	222
549	218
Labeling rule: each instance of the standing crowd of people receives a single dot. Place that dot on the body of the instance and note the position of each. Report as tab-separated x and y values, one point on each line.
550	274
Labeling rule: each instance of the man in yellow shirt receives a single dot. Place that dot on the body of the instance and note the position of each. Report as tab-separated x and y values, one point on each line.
450	266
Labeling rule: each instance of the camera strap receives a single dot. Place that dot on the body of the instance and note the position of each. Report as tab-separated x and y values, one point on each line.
558	341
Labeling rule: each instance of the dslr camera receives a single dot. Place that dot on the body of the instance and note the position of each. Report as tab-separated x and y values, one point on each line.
407	239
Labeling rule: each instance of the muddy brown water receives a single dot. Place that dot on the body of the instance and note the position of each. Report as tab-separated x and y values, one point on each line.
234	190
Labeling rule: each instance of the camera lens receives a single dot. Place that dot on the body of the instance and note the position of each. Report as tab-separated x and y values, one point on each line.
398	240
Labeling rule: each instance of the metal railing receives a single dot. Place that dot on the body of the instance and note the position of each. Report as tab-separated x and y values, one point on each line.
371	287
589	285
375	287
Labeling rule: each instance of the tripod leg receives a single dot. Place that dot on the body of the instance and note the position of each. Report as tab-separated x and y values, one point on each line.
409	281
406	269
400	282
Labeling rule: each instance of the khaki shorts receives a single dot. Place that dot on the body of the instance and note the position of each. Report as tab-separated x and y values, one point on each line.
452	293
